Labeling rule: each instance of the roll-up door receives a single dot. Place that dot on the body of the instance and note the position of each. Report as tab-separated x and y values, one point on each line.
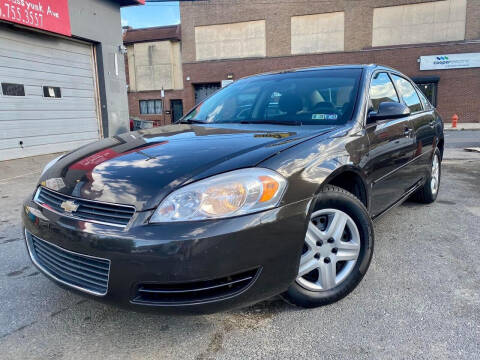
48	97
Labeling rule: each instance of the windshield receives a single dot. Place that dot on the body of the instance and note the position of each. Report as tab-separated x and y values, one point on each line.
316	97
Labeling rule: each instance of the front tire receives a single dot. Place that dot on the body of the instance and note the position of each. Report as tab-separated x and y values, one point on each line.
337	251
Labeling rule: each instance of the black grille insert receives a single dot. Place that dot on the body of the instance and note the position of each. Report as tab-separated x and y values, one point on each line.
83	272
192	292
88	210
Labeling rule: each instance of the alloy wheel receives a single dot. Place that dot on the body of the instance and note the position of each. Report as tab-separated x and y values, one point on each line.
331	249
434	182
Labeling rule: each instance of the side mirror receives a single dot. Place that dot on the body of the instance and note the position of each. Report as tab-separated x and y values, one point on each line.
388	110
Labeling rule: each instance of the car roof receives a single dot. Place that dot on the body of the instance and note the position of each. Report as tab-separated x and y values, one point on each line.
370	67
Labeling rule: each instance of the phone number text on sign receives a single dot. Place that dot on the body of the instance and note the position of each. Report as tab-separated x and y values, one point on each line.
49	15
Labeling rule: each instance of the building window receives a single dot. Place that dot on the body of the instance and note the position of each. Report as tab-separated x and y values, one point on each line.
430	91
52	92
228	41
13	89
427	22
317	33
429	87
203	91
150	107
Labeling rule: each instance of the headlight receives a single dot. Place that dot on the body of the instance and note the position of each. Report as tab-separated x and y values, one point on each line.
50	164
230	194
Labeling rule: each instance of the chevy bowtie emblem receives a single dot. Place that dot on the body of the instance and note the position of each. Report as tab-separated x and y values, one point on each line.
69	206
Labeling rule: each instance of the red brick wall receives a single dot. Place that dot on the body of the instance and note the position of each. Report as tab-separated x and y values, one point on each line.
160	119
277	14
458	89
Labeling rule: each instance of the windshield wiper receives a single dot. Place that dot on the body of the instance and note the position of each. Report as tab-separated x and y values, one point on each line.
272	122
191	121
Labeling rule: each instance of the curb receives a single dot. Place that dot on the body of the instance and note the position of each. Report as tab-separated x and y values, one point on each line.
473	149
447	126
461	129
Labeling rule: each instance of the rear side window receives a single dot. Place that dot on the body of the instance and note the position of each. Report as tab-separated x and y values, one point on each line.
382	90
408	93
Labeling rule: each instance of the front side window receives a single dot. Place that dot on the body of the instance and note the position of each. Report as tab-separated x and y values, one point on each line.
310	97
408	93
150	107
382	90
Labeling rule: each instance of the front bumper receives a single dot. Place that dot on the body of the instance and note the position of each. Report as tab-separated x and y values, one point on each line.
175	256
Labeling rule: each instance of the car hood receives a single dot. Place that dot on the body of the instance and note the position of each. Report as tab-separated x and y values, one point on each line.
141	168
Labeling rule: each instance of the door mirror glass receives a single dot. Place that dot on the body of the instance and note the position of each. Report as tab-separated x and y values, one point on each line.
388	110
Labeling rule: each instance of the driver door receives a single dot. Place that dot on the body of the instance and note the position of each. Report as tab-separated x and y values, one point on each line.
392	145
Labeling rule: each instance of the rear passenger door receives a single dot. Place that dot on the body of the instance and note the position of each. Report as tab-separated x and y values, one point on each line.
392	143
423	122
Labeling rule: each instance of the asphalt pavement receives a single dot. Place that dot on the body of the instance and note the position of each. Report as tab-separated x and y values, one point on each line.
462	139
420	298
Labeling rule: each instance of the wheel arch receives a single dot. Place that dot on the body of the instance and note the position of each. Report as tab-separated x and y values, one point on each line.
441	147
351	179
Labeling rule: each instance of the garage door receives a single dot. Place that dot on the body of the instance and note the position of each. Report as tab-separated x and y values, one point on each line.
203	91
47	94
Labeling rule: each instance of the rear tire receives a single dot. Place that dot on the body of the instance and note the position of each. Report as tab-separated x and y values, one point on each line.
427	194
337	252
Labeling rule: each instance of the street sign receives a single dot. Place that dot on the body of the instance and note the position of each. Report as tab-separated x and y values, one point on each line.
48	15
450	61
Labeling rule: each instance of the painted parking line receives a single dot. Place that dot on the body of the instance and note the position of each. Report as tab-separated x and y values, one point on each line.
3	181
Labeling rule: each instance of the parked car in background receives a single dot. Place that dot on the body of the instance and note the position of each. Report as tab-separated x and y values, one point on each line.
267	187
140	124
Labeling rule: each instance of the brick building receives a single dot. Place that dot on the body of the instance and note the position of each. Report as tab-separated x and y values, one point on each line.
437	43
154	73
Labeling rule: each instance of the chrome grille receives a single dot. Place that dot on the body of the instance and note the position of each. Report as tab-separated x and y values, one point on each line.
88	210
86	273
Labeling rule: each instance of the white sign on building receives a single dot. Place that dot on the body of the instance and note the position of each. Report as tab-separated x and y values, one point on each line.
450	61
226	82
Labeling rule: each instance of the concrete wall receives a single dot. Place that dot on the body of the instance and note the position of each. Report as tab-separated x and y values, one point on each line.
155	65
226	41
419	23
99	20
317	33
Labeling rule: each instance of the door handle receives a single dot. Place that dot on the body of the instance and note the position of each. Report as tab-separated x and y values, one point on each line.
432	123
407	131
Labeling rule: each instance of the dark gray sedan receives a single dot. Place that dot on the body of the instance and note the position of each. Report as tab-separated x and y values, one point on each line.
267	187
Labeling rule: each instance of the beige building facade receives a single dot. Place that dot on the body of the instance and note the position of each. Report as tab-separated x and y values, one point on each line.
155	65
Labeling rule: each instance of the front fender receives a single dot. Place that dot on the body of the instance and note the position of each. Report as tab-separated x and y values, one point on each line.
312	164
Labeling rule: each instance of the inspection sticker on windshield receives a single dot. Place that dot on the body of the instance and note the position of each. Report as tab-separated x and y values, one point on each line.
324	116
